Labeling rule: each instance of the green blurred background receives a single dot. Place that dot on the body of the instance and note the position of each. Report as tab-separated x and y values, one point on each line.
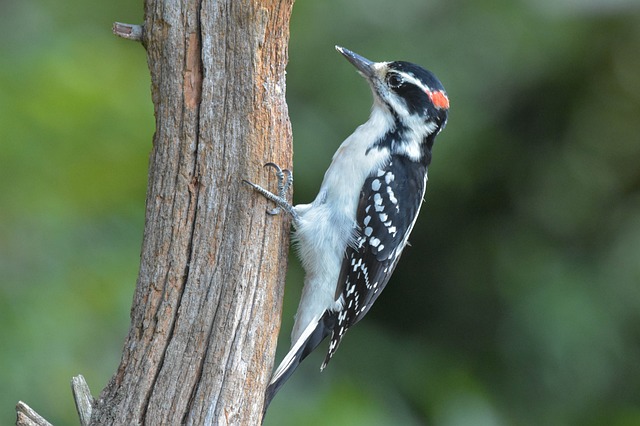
518	302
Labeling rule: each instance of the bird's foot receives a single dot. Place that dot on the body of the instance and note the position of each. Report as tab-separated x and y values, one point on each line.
285	180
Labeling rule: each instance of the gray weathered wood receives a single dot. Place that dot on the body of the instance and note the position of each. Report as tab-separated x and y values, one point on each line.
128	31
83	399
26	416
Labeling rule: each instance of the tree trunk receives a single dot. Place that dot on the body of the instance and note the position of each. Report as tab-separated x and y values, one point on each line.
206	309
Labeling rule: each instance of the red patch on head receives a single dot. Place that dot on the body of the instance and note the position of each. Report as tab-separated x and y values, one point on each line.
439	99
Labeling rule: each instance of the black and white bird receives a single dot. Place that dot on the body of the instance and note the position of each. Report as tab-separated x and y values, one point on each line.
351	236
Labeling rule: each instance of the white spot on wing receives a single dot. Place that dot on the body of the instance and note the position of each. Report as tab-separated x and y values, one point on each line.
389	177
392	196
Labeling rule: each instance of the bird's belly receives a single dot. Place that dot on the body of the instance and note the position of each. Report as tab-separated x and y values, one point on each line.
321	239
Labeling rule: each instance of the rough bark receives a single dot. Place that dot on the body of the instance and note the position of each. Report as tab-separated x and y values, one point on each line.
206	309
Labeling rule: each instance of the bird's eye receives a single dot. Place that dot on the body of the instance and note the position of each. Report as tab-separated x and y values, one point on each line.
394	80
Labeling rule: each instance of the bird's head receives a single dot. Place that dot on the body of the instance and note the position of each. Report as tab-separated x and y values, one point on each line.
407	91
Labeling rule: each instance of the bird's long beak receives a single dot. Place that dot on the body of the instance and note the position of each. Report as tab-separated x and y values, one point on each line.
364	66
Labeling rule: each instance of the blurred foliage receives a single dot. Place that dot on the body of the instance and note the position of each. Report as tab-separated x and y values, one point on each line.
518	302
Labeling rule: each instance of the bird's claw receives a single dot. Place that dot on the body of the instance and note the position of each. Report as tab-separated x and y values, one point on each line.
285	180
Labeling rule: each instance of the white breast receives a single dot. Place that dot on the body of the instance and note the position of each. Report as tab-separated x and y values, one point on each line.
328	224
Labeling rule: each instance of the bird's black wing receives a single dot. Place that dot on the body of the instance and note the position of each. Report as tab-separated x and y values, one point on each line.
388	207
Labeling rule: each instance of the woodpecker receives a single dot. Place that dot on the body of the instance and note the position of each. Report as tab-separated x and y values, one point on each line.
351	236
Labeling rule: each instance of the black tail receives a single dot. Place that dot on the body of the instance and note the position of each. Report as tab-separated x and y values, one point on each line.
310	338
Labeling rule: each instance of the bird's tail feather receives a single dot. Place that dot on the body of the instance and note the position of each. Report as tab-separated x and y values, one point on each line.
310	338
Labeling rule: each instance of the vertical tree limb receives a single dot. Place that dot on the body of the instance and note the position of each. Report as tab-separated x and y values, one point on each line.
205	314
206	309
